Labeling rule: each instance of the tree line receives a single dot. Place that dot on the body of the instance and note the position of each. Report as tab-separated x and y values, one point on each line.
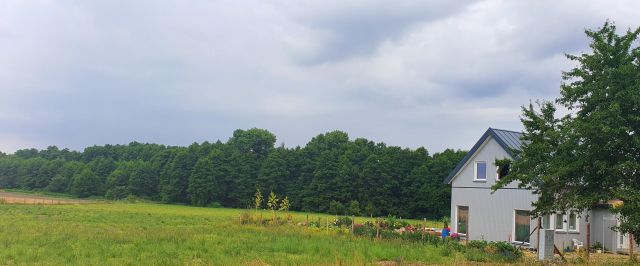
329	172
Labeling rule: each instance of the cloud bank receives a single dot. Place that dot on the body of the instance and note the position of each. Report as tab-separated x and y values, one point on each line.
408	73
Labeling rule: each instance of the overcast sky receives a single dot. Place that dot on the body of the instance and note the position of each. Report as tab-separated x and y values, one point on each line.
408	73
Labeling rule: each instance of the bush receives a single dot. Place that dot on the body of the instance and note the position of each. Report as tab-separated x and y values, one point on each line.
343	221
215	204
366	230
132	198
117	193
494	251
476	255
392	222
478	244
597	245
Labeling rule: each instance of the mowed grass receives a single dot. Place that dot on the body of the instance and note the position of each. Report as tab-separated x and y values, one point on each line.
117	233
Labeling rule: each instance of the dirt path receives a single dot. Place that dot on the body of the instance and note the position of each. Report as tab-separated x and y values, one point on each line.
23	198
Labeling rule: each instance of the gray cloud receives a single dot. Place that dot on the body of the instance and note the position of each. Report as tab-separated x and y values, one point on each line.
413	73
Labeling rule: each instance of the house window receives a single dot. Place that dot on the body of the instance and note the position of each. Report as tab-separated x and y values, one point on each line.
573	222
559	224
481	171
546	222
502	172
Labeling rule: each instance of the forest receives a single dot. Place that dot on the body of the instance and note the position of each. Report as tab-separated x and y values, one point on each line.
331	173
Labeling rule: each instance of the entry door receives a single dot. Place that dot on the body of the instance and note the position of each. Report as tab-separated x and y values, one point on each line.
463	219
522	225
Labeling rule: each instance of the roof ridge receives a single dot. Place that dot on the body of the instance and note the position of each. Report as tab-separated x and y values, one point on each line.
519	132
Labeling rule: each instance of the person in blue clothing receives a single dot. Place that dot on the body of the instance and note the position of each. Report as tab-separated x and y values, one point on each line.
445	231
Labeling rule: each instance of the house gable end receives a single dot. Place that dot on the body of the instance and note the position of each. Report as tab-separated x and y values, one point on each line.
507	140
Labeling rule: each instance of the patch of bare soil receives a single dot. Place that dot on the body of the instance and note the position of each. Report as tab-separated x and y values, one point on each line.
19	198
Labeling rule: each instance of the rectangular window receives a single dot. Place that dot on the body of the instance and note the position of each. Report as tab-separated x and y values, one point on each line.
481	171
559	225
463	219
573	222
546	222
522	226
503	171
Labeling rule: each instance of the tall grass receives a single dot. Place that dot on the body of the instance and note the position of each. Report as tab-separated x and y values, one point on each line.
155	234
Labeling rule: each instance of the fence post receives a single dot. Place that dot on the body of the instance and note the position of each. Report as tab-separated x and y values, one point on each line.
327	221
353	222
538	234
631	246
424	224
588	244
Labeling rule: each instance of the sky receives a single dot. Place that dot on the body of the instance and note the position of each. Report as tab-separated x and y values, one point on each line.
435	74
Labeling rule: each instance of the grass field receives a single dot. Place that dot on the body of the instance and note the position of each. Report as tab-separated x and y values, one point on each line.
119	233
115	233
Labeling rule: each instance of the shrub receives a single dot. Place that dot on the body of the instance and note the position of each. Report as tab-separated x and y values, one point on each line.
117	193
476	255
597	245
366	230
495	251
215	204
343	221
132	198
392	222
478	244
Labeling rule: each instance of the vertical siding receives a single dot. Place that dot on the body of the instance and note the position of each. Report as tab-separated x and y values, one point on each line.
488	152
602	221
491	216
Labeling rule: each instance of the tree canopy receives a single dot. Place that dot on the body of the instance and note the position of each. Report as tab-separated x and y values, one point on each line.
591	155
356	176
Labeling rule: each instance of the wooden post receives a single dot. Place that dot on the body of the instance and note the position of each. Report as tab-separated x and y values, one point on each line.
631	247
307	224
466	239
588	244
557	251
327	221
353	223
538	241
377	228
424	224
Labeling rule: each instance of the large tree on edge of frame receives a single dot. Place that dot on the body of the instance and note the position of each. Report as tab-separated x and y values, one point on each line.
591	155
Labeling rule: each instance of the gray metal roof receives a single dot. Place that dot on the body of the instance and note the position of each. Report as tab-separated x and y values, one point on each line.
511	139
508	140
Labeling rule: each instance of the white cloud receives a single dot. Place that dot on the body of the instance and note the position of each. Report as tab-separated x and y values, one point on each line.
410	73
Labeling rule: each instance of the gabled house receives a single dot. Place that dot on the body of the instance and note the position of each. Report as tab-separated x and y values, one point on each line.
505	214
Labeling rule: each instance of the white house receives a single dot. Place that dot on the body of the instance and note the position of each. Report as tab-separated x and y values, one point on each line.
504	215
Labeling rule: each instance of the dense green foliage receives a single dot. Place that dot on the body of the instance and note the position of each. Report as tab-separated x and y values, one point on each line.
591	155
331	173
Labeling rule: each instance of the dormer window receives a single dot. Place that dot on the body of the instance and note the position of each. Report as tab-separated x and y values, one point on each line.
480	171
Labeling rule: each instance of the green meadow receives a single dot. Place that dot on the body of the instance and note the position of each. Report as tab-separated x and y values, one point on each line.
118	233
